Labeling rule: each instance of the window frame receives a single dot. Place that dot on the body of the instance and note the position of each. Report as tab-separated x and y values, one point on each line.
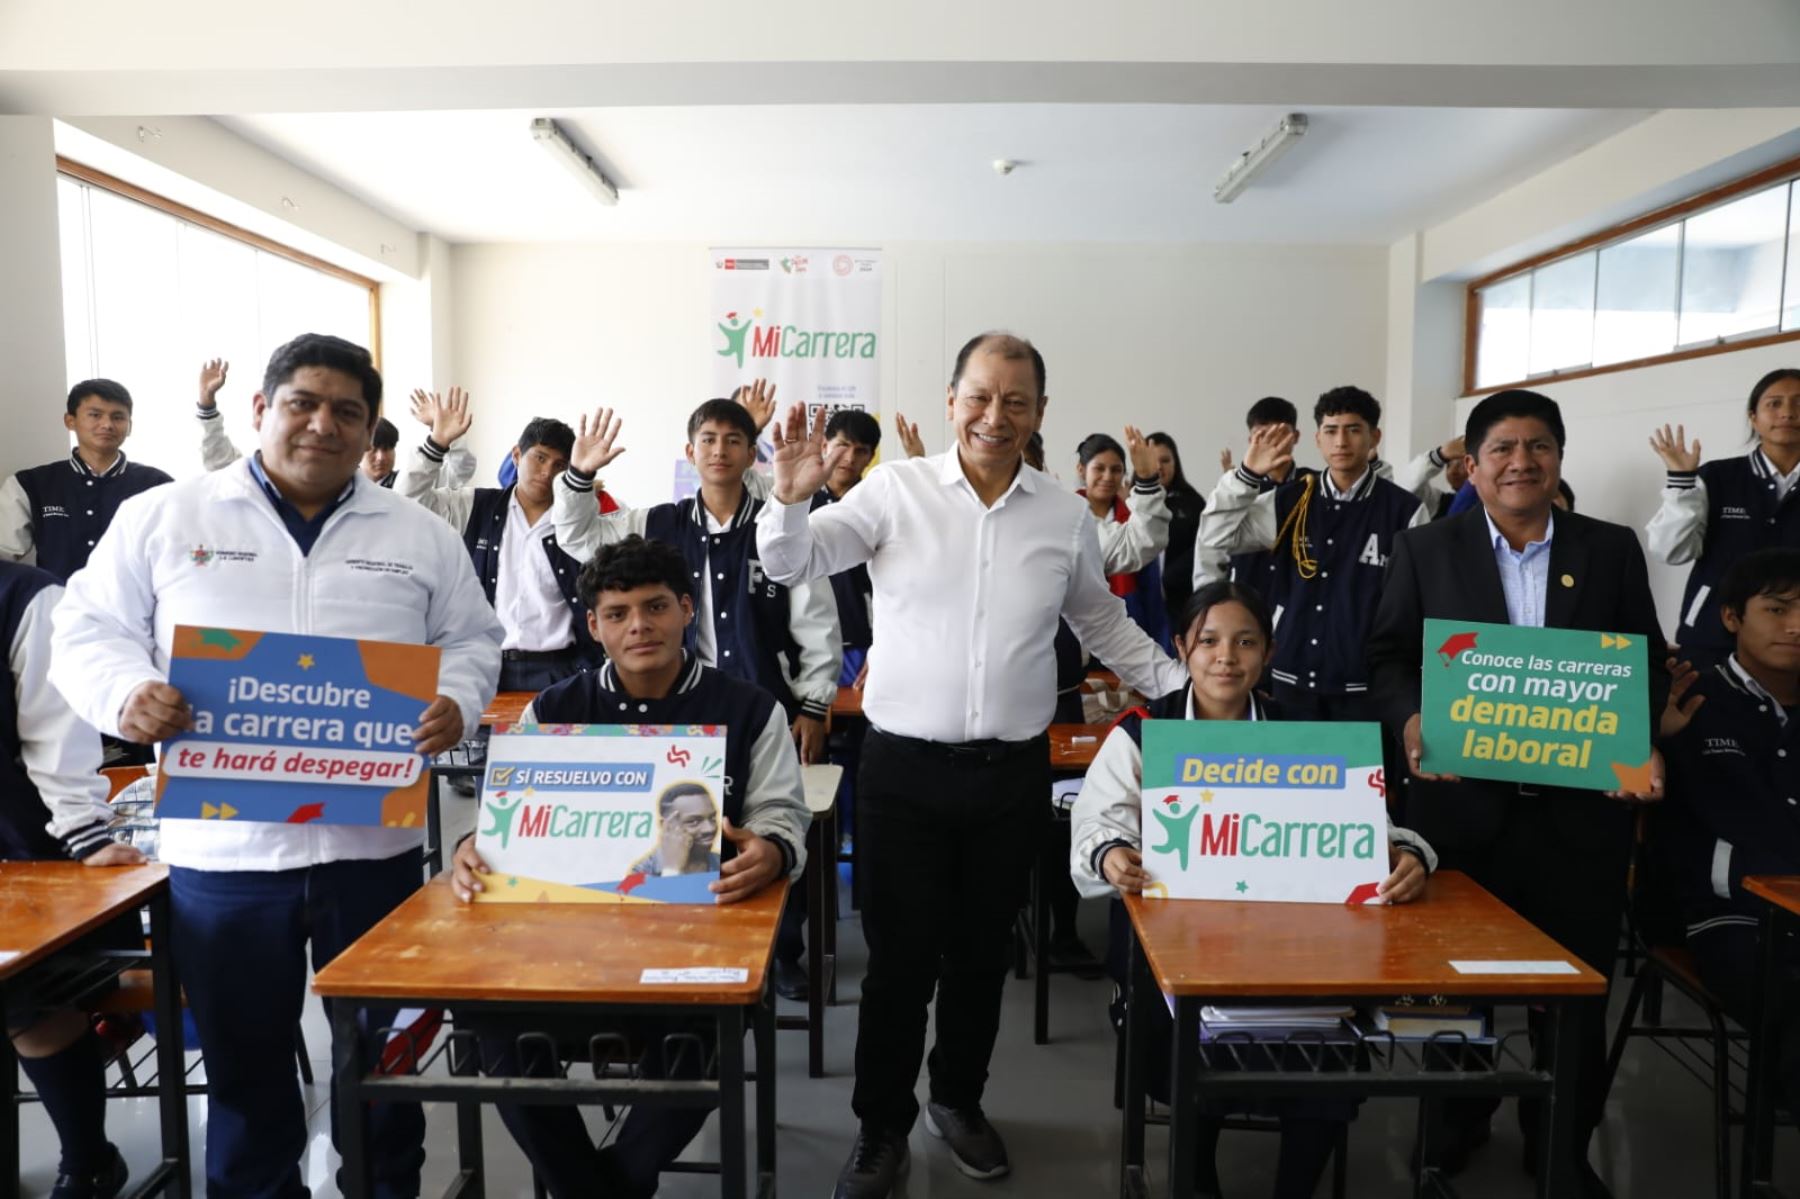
83	173
1787	171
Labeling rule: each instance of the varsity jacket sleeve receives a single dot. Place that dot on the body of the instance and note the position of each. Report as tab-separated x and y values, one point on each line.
797	543
1420	477
813	624
216	450
1107	812
1726	823
60	754
458	469
1129	547
1210	566
15	520
1405	838
580	529
1394	644
1239	517
760	484
1677	533
104	642
1098	618
775	800
418	482
462	624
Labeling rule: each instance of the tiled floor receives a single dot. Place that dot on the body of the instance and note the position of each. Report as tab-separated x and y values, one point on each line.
1054	1106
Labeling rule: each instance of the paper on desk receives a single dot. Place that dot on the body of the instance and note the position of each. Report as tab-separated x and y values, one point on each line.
696	974
1503	967
7	955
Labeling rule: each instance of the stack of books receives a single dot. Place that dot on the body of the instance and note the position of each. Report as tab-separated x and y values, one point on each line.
1420	1021
1270	1023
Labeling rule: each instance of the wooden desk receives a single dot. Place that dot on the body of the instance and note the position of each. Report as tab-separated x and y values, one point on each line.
820	880
1207	951
848	704
1781	913
1073	746
507	707
560	959
45	910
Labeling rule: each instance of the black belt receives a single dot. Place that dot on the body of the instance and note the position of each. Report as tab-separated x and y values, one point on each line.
537	655
985	752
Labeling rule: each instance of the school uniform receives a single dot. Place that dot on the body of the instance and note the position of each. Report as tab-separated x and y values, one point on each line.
854	596
226	549
1712	517
63	508
1177	564
1133	534
763	793
456	467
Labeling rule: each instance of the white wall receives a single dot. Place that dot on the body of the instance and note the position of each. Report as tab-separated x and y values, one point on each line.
1179	338
33	387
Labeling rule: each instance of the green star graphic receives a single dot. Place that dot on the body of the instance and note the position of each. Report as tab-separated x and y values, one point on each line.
512	881
1242	886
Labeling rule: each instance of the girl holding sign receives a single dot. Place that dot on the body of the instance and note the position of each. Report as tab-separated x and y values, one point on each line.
1226	638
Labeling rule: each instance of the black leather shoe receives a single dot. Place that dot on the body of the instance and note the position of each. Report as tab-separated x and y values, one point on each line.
105	1183
790	980
977	1148
877	1161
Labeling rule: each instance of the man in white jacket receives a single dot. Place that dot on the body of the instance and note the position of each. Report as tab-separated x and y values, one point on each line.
293	540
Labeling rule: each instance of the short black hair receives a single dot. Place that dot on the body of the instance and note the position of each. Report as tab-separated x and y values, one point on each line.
386	436
1504	405
632	563
1271	410
550	433
665	803
333	353
1772	570
725	412
1779	375
1007	345
856	425
1348	401
103	389
1224	591
1095	444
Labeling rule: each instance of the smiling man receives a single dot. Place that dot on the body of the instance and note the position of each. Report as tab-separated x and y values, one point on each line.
63	508
972	556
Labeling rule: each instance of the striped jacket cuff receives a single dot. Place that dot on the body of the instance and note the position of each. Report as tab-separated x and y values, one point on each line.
1683	480
578	480
1249	477
206	413
1100	852
788	856
817	709
87	840
1150	487
432	450
1437	457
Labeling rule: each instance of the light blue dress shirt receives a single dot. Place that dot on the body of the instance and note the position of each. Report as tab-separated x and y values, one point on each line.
1524	574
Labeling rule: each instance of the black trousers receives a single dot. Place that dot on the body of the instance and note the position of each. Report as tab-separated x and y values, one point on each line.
1726	958
947	836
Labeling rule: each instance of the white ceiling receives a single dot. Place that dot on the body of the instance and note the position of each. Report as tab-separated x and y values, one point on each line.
922	172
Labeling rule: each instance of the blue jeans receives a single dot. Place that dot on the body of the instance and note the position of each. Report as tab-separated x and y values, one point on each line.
241	940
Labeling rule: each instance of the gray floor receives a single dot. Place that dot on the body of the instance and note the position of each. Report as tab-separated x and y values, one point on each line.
1054	1106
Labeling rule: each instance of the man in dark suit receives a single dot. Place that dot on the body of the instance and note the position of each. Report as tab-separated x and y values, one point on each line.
1555	855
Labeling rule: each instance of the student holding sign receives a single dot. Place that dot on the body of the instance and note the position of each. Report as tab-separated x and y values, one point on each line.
641	603
1555	854
1228	639
291	541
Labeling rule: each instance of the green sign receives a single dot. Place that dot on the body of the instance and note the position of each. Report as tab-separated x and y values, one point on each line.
1562	707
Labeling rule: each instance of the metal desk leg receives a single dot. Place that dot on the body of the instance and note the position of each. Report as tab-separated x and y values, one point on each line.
434	828
353	1114
1558	1118
828	933
9	1115
1040	938
764	1032
1138	988
1759	1115
1184	1096
817	873
732	1159
171	1063
472	1181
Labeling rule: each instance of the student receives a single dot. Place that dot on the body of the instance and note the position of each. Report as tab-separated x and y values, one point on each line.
1226	638
641	600
63	508
1133	533
217	452
859	436
1733	749
301	544
53	806
1330	534
1185	506
1557	856
1252	566
1714	514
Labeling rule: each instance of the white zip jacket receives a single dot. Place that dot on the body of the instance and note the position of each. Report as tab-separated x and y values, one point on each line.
383	569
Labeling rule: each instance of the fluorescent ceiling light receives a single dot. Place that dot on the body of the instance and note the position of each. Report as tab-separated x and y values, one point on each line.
1253	160
550	135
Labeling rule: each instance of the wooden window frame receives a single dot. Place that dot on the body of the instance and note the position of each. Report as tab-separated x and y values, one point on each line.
1782	172
131	191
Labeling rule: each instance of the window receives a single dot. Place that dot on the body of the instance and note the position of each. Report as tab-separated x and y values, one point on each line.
151	290
1717	272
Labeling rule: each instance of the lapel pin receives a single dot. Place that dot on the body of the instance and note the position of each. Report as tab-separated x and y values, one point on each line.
1568	580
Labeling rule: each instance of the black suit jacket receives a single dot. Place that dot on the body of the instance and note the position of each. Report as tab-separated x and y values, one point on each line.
1446	569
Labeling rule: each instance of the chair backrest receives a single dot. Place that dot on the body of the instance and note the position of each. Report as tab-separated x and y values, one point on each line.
120	777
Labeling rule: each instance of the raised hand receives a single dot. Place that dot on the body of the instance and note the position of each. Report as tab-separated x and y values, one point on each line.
1674	450
1141	453
910	441
1679	709
1225	461
802	461
452	418
212	378
1271	449
1452	450
594	437
759	400
424	406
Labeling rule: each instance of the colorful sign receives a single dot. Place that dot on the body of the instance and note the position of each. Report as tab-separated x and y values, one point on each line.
297	729
1562	707
1264	811
602	813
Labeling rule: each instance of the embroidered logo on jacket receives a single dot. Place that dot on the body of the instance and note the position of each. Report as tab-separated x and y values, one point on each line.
1721	745
379	566
201	555
1732	512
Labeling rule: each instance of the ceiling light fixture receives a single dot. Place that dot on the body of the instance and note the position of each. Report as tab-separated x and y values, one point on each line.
1259	156
550	135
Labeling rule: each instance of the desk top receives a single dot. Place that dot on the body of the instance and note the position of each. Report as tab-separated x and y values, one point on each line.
46	905
507	707
1073	746
432	947
821	782
847	703
1782	890
1223	949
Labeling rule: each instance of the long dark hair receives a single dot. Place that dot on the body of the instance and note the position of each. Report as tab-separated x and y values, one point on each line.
1179	482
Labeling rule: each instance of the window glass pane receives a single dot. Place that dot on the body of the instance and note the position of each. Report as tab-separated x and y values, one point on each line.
1562	314
1502	355
1791	320
78	318
136	272
1635	309
1731	268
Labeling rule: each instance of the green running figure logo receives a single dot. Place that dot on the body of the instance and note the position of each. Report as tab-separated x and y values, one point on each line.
503	817
1178	827
735	332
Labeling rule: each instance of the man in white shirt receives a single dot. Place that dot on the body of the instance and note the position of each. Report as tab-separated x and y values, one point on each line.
291	541
972	556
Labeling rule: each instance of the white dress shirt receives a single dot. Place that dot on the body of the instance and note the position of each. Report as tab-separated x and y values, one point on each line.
526	597
968	594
